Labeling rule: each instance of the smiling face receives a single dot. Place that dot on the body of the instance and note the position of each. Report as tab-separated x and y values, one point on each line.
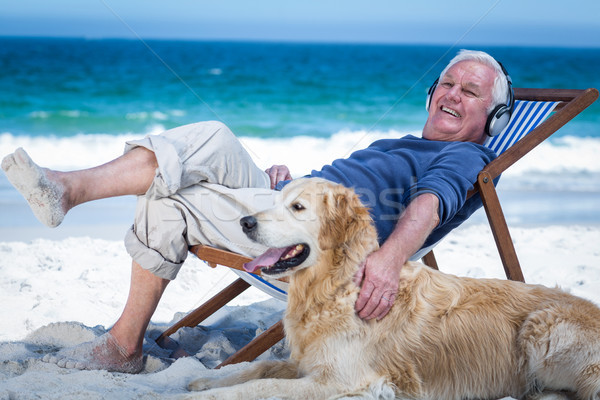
460	103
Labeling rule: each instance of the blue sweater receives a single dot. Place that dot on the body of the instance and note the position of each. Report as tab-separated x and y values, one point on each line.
390	173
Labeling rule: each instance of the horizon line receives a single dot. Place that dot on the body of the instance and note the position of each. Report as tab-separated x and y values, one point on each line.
294	41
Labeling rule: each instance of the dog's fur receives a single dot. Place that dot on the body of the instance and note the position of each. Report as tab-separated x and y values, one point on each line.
445	337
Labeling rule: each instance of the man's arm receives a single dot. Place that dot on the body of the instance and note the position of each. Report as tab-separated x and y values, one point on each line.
380	273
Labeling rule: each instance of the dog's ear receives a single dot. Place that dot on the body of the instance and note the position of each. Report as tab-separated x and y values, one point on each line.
343	217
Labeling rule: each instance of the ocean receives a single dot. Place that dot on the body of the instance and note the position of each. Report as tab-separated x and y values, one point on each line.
72	103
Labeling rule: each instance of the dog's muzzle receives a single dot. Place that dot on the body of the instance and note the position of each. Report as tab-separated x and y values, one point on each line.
275	260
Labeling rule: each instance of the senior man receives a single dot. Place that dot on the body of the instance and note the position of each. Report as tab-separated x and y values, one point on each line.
194	181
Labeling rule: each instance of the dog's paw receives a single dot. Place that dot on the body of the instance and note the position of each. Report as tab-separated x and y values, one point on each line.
200	384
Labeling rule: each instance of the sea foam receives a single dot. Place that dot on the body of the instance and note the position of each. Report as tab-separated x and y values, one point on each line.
563	163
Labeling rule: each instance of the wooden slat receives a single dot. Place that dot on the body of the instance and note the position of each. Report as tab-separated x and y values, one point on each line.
221	257
214	257
492	207
208	308
429	260
256	347
533	94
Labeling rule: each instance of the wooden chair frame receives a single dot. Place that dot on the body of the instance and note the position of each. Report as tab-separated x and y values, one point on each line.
572	102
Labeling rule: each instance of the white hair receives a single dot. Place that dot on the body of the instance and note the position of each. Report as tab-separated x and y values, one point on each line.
500	91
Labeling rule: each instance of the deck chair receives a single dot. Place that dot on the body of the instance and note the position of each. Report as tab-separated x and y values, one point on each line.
530	125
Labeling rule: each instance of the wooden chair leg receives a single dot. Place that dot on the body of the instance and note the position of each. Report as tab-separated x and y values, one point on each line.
206	309
492	207
429	260
257	346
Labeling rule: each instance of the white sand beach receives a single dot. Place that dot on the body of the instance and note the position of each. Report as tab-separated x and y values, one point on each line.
58	293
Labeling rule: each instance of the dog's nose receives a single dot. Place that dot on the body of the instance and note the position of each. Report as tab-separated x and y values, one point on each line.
248	224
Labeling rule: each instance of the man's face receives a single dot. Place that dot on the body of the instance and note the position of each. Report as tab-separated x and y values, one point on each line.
458	110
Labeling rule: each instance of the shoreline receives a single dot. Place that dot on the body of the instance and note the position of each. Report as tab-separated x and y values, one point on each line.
111	218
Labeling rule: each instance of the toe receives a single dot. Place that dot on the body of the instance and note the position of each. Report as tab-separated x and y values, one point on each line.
21	157
51	358
73	364
8	162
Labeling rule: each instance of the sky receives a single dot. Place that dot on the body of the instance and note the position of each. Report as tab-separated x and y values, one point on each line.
555	23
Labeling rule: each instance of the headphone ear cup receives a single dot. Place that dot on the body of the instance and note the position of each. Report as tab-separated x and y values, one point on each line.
500	116
497	120
430	94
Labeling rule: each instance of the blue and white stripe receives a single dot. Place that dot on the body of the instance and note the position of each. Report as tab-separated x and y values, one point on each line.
526	116
274	288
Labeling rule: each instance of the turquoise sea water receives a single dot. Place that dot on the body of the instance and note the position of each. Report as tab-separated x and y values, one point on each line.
73	102
65	87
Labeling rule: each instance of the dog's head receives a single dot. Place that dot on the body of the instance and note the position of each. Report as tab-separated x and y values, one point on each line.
310	216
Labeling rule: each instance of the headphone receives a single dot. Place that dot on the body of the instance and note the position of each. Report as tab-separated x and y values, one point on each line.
499	117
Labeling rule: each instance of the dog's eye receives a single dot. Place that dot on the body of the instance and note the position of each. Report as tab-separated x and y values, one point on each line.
297	207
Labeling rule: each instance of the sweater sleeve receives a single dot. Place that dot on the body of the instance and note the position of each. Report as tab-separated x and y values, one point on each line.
451	175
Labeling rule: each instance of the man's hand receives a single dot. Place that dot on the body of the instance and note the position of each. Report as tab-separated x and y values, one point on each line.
380	273
379	276
278	173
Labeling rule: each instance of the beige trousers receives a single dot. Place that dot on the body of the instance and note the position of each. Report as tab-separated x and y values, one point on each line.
205	182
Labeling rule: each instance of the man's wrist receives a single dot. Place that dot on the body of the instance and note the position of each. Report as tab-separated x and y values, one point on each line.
393	255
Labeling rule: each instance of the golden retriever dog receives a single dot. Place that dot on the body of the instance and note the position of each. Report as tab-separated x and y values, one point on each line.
446	337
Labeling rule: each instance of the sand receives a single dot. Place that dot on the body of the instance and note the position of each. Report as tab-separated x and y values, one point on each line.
59	293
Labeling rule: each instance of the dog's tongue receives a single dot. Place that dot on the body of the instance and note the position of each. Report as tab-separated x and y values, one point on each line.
270	257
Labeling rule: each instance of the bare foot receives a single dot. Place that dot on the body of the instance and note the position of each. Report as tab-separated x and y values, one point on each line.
45	196
103	353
